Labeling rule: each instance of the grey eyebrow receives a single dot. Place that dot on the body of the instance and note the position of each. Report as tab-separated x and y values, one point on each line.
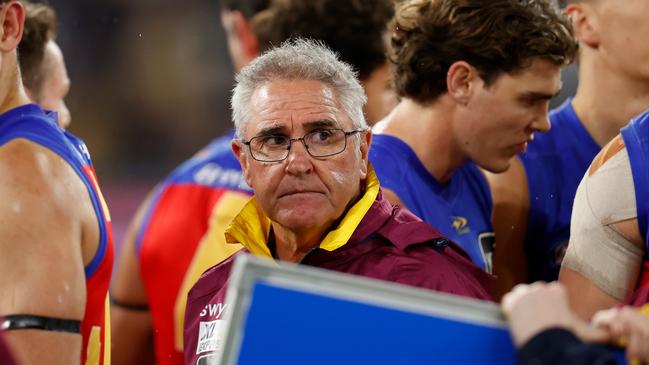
270	130
320	123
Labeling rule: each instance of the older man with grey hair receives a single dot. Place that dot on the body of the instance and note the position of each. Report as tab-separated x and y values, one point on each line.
303	143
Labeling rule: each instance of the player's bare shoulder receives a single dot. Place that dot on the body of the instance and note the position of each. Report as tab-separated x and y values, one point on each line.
43	215
31	173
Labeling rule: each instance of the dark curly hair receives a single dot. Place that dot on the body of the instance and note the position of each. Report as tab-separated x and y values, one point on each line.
355	29
494	36
40	28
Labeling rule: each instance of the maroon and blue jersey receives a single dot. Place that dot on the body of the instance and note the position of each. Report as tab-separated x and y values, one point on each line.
555	163
30	122
636	140
460	209
169	244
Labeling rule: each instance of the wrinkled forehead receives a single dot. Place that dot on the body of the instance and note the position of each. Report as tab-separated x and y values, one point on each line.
294	107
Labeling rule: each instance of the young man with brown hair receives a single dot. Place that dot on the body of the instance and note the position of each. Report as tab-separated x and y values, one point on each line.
475	79
533	200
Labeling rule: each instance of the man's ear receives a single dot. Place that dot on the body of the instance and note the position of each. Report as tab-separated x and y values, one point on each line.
460	81
240	152
585	22
12	18
366	143
243	43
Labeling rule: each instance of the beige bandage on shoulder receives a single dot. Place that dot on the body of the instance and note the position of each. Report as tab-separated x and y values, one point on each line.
596	250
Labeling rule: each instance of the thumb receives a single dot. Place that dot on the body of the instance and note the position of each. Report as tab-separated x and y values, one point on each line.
589	333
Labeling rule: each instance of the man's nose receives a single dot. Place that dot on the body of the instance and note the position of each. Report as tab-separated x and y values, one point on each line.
541	123
298	161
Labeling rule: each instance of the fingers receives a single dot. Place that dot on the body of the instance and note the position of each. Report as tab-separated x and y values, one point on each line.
521	292
638	348
630	327
591	333
604	318
534	308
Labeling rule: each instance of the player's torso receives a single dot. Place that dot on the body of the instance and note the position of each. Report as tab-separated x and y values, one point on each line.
555	163
459	209
169	243
32	123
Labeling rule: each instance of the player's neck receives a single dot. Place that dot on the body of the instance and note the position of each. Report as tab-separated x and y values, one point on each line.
12	92
605	101
12	101
427	130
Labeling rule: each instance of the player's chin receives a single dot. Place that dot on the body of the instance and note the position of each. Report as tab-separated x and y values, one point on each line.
497	165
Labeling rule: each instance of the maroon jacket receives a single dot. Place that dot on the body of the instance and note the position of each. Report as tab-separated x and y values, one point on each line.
390	244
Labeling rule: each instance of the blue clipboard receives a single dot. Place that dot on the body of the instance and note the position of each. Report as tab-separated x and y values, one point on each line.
289	314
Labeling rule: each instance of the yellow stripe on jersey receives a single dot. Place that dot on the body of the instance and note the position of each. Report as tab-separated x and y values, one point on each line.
93	350
107	343
104	206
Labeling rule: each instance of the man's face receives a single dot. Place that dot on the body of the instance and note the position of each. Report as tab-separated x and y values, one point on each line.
56	84
381	97
302	193
497	121
622	26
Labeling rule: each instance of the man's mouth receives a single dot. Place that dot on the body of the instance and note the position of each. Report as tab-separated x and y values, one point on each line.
521	147
298	192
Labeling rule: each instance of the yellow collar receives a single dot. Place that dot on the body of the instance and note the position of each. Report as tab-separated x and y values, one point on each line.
251	227
644	309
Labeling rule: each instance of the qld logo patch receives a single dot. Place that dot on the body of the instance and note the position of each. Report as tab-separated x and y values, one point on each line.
210	336
461	225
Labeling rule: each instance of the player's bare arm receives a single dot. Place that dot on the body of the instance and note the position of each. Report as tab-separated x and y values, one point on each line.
131	319
45	213
604	256
511	204
586	297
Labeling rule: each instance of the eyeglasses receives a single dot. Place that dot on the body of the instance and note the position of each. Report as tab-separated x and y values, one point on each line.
318	143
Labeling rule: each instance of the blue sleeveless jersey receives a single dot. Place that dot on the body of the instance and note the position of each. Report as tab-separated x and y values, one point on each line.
32	123
555	163
636	140
460	209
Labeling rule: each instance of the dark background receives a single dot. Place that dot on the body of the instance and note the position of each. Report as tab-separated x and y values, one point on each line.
150	83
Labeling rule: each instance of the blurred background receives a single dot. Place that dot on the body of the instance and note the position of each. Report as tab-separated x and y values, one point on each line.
150	87
150	83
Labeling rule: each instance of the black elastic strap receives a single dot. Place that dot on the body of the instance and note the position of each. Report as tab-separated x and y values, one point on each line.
29	322
129	306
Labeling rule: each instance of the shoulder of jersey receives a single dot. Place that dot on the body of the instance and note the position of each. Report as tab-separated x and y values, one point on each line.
39	127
